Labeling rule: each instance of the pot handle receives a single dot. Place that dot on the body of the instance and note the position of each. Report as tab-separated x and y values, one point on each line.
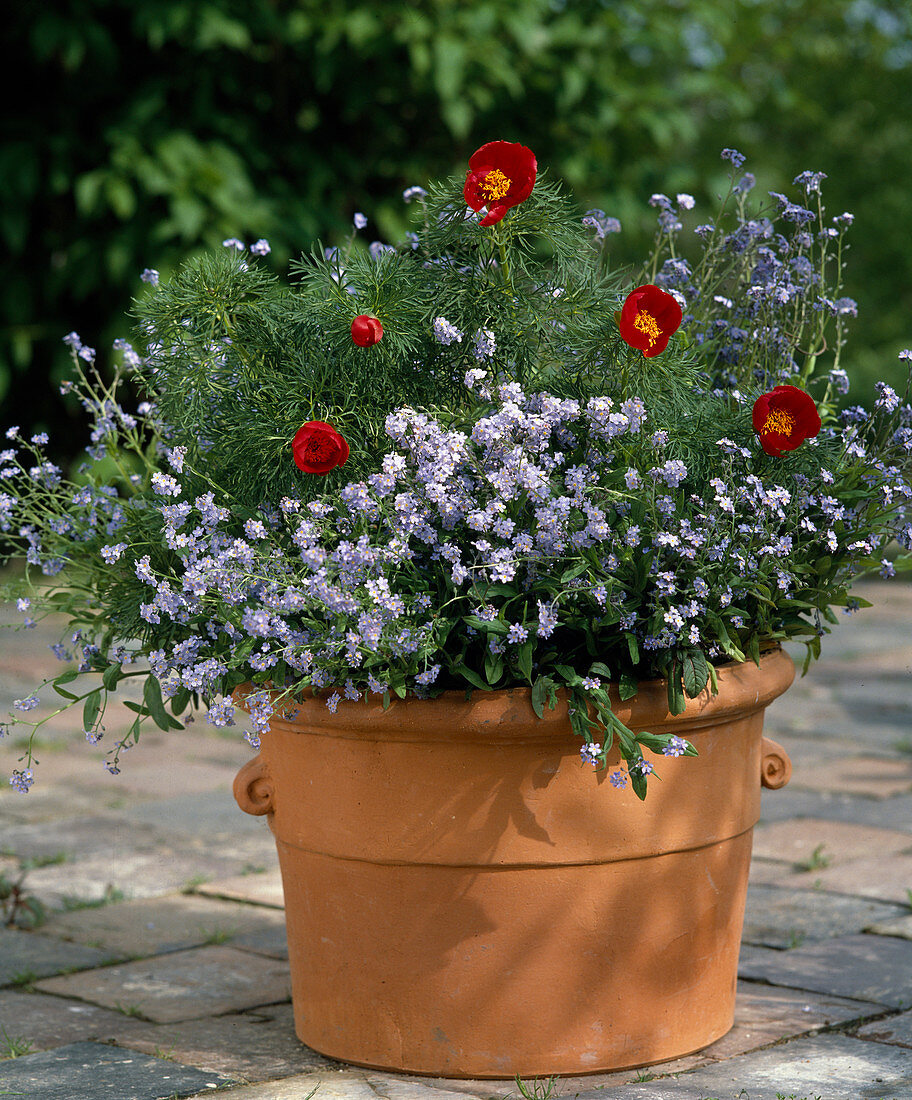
253	790
775	766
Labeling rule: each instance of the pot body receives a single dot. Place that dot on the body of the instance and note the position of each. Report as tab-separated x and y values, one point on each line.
465	898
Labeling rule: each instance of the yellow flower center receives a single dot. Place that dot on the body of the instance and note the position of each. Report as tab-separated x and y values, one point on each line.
780	422
495	185
645	322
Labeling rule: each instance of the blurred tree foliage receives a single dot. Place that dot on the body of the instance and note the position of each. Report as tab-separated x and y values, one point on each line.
146	129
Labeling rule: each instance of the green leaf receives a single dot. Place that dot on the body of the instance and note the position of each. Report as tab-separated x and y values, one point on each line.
598	668
633	649
568	673
655	742
152	697
63	691
463	670
136	708
179	700
842	599
493	667
812	653
676	701
628	686
579	723
728	646
111	675
524	659
574	571
245	648
91	710
67	677
753	649
497	589
695	672
543	688
494	626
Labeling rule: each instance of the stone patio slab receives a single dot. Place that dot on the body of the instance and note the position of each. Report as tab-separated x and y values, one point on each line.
268	941
45	803
886	877
183	985
251	1046
863	967
46	1021
834	1067
893	1029
30	953
177	762
345	1085
778	917
91	1071
765	1014
835	841
873	776
132	874
887	813
101	834
203	813
258	889
153	926
902	926
771	872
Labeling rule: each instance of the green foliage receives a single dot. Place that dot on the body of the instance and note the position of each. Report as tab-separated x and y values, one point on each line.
176	125
19	908
816	861
13	1046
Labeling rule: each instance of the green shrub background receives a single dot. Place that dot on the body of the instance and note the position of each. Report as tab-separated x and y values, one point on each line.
147	129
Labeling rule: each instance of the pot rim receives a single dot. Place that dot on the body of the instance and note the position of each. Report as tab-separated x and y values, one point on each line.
506	713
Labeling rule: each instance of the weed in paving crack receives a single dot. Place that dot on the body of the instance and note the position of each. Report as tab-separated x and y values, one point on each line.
18	909
816	861
111	896
542	1088
13	1046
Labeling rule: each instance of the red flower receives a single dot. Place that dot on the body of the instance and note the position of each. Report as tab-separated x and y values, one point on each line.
784	418
501	174
649	318
318	448
366	330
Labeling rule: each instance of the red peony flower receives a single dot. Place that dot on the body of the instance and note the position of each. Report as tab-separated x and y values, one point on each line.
366	330
501	174
784	418
318	448
649	318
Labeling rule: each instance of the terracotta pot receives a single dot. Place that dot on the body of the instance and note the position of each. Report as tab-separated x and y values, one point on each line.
465	898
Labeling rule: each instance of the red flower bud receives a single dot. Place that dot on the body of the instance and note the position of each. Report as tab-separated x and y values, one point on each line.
366	330
649	318
318	448
784	418
501	174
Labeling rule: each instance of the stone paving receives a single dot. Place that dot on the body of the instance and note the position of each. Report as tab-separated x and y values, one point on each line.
161	969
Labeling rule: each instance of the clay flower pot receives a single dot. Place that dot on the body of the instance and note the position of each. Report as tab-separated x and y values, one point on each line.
464	898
